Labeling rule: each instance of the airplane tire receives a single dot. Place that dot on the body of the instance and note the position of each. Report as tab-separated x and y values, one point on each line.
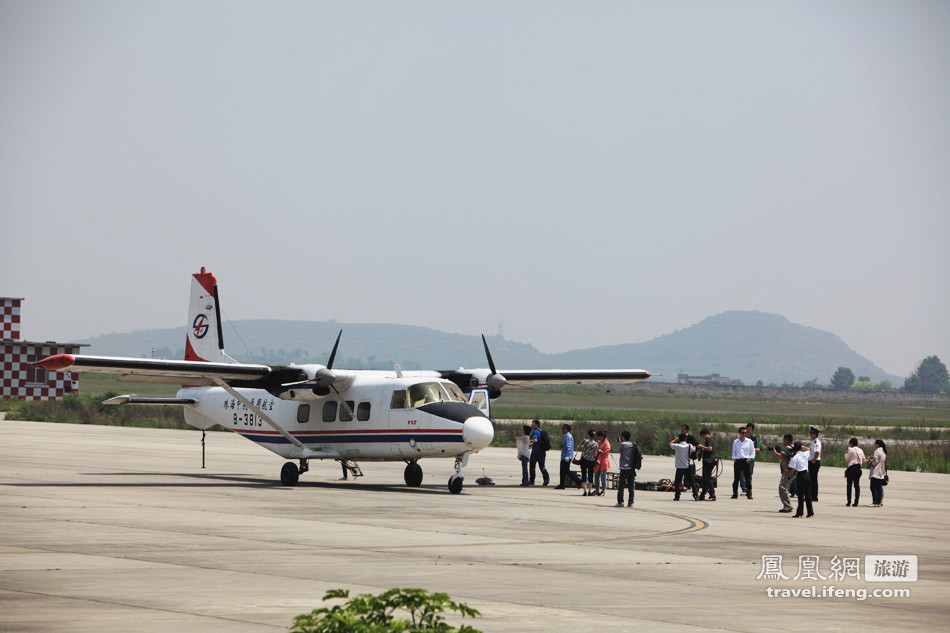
289	474
455	484
413	474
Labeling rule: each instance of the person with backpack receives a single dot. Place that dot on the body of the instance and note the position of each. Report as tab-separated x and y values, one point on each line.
540	445
630	461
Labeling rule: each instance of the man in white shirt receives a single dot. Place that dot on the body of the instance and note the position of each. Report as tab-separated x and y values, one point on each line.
814	462
743	451
798	469
682	449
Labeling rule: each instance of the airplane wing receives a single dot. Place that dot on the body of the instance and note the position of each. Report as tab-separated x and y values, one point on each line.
495	381
197	373
527	377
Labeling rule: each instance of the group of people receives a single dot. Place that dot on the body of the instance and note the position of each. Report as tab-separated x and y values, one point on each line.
594	460
799	472
798	465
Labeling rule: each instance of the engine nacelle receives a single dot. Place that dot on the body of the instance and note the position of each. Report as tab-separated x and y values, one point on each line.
305	393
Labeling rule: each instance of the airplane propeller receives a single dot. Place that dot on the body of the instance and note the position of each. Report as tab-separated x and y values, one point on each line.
495	381
324	377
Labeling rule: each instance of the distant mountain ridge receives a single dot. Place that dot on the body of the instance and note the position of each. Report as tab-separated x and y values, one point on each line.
745	345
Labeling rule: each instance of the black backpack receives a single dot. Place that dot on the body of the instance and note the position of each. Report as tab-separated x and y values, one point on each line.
545	440
637	457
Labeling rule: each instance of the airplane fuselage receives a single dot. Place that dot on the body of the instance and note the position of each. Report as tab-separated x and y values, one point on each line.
378	417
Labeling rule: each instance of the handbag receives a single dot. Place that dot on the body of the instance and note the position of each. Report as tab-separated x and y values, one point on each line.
886	479
576	461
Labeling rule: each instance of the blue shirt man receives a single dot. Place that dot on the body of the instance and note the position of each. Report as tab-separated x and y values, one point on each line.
567	455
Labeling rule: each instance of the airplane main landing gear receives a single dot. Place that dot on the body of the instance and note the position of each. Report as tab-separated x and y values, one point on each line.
289	474
413	474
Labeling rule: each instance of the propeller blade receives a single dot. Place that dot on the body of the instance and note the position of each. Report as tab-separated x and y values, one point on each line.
491	363
333	353
495	380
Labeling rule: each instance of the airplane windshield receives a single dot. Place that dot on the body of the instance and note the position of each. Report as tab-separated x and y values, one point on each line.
426	392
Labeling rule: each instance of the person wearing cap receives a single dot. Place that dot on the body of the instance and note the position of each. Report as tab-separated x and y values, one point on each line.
798	469
743	451
814	462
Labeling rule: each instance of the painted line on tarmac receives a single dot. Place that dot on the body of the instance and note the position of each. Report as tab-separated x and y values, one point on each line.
694	525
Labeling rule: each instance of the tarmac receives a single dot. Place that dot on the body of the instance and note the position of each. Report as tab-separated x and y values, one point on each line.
117	529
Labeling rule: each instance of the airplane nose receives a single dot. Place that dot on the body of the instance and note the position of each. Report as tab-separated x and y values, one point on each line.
477	432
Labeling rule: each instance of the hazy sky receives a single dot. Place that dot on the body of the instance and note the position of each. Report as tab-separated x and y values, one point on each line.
589	173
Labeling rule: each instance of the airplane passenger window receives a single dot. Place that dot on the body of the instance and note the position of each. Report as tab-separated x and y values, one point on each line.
345	413
303	413
399	399
329	411
362	412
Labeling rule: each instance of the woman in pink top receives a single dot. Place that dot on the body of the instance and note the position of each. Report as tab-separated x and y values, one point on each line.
603	463
855	457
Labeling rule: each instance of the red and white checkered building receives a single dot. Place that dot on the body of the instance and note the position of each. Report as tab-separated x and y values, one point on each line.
17	378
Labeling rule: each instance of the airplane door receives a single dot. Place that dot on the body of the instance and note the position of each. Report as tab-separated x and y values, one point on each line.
479	399
402	422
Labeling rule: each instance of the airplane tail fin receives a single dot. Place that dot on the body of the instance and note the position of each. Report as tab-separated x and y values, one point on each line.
204	340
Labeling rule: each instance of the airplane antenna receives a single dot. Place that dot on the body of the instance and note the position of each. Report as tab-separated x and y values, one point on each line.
241	338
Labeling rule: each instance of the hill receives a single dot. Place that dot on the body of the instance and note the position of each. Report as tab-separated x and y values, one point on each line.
748	346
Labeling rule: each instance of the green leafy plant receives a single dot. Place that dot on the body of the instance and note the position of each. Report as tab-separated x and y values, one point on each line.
384	613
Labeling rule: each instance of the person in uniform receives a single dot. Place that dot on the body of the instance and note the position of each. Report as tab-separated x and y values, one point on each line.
814	465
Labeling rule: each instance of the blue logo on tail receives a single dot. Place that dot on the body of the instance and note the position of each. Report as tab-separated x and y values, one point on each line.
200	326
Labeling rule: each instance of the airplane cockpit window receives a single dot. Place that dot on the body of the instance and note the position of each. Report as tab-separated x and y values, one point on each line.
426	392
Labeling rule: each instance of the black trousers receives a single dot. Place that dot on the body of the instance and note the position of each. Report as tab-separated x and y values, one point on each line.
538	459
739	467
803	479
813	468
683	475
587	471
567	477
853	475
707	481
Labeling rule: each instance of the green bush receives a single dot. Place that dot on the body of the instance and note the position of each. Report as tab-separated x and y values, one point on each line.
367	613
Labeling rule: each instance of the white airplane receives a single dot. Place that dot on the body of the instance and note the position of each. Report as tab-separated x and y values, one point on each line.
304	412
